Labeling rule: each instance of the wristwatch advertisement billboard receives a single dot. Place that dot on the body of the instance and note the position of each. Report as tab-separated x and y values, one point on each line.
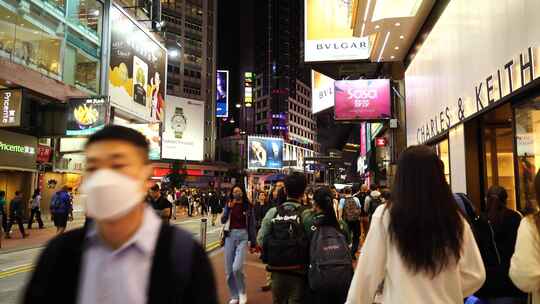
183	129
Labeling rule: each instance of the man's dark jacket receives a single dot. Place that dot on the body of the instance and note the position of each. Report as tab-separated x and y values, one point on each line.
180	272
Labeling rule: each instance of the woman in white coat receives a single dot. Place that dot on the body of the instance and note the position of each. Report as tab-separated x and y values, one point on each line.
418	244
525	264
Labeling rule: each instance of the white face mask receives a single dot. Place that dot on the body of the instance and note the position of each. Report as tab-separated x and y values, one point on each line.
110	195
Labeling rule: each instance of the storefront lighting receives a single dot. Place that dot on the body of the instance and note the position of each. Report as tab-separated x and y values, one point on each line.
377	27
384	45
396	48
397	24
392	57
238	105
174	53
385	9
401	37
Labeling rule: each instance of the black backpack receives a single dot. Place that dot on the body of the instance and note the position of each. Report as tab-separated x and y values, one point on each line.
286	245
330	267
374	203
483	234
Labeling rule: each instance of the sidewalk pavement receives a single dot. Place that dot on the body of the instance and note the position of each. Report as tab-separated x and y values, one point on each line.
39	237
255	278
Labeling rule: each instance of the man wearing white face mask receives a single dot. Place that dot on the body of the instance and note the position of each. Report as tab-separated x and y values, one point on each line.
126	254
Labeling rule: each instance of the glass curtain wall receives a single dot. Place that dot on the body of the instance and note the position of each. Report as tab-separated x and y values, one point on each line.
58	38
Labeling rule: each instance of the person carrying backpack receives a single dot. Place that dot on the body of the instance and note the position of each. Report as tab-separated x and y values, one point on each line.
60	209
350	210
285	243
330	268
373	201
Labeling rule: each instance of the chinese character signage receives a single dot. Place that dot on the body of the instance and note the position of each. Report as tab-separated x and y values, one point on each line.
222	92
364	99
11	108
86	115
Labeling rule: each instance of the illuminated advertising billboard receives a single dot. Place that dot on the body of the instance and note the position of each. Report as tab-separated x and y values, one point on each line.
151	132
322	92
183	129
137	71
265	152
86	116
364	99
248	88
222	93
329	32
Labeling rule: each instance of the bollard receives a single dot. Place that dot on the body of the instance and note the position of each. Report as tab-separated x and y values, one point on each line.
203	232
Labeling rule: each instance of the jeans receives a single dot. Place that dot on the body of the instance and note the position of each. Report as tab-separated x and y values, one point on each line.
288	288
235	254
354	226
37	213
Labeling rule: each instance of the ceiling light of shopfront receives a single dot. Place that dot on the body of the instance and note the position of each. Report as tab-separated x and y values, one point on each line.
232	121
396	48
392	57
401	37
384	45
377	27
397	24
385	9
174	53
238	105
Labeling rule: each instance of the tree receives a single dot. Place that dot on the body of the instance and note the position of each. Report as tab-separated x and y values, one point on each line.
178	174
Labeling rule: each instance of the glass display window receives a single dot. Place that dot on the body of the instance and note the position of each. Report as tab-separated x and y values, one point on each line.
442	150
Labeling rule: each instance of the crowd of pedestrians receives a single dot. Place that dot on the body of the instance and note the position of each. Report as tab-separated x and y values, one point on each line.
416	243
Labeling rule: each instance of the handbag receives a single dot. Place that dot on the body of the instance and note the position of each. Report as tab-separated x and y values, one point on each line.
224	232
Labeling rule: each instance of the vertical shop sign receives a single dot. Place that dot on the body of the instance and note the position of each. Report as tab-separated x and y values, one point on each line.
11	108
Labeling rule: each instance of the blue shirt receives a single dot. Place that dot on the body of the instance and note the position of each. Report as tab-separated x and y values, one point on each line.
342	202
119	275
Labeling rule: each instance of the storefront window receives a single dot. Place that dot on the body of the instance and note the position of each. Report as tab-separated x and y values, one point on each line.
38	35
528	153
442	151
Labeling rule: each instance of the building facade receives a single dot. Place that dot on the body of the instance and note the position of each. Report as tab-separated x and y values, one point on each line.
190	34
485	120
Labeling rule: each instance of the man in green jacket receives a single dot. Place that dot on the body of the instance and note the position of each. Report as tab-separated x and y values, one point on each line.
287	286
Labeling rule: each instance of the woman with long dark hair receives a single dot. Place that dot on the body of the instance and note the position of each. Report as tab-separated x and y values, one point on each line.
418	243
238	216
525	264
504	223
321	216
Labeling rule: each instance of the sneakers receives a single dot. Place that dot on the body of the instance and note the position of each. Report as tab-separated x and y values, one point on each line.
233	301
243	298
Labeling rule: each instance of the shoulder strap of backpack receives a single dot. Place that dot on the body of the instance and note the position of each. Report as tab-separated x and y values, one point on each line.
171	266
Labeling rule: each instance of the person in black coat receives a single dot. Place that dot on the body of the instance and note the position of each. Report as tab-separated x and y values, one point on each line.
504	222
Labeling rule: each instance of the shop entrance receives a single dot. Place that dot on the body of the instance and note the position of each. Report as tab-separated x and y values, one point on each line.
490	143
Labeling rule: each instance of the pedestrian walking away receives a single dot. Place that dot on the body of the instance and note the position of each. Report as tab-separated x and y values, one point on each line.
285	244
330	269
126	254
350	210
61	208
35	210
525	263
16	213
418	244
238	216
503	223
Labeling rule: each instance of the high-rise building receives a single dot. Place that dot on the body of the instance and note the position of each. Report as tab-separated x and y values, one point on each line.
190	33
282	96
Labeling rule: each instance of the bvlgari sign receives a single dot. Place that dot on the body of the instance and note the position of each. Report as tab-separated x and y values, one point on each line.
11	108
484	94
